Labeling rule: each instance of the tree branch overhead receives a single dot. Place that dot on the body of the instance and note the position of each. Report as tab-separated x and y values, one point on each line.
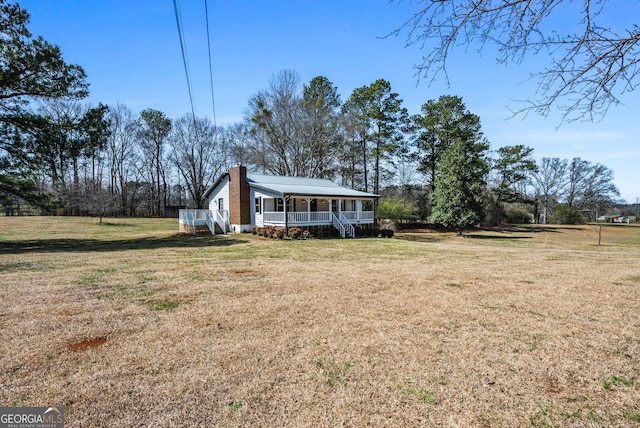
593	62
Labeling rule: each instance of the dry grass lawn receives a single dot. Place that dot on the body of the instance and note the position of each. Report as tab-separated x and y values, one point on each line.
127	324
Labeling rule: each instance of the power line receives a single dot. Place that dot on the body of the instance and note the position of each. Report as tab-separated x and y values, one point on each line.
213	102
184	57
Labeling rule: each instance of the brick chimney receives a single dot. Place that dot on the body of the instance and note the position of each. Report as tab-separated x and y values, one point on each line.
239	199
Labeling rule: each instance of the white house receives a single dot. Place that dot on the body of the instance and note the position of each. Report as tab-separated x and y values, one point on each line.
239	201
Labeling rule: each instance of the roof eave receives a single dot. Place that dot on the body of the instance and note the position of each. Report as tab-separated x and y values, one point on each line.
211	188
371	196
282	193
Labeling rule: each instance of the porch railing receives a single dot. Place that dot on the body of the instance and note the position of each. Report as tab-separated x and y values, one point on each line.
210	224
195	218
222	220
356	216
315	217
207	218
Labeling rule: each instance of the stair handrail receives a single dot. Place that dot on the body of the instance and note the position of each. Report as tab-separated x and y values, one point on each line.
210	222
222	219
338	225
348	226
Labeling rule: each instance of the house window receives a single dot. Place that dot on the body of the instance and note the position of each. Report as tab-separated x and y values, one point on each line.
280	205
258	203
353	205
220	204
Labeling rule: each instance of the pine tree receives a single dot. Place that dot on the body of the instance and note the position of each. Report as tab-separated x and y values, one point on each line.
457	199
30	69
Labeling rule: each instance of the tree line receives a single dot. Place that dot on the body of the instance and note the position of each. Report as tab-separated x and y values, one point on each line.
62	155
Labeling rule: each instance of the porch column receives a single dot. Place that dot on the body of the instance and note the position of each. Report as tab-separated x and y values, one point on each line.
285	201
308	210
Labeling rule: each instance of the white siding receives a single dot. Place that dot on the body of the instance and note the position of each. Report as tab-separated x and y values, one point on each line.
256	218
221	191
267	205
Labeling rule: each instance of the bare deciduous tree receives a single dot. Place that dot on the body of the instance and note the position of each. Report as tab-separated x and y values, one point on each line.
593	58
548	183
274	115
292	133
198	155
589	186
122	156
582	185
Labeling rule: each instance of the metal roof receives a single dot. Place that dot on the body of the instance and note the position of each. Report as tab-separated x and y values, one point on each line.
301	186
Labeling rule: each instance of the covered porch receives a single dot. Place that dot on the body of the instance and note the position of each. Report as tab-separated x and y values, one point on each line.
300	211
315	218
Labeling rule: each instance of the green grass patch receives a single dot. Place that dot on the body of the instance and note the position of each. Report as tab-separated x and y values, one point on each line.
617	380
631	415
418	392
454	285
164	305
21	266
97	276
544	416
332	372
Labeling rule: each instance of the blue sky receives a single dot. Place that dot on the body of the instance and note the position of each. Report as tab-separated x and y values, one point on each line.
131	53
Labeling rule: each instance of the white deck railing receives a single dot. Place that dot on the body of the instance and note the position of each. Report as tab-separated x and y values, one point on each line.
358	215
210	224
193	217
305	218
204	218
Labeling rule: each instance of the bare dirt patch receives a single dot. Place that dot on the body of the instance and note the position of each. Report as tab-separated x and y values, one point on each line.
244	272
85	344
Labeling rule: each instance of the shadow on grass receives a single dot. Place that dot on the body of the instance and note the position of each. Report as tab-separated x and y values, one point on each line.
91	245
107	224
506	230
513	228
418	237
497	237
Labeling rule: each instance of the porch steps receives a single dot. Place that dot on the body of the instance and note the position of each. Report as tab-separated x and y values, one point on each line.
343	225
349	229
